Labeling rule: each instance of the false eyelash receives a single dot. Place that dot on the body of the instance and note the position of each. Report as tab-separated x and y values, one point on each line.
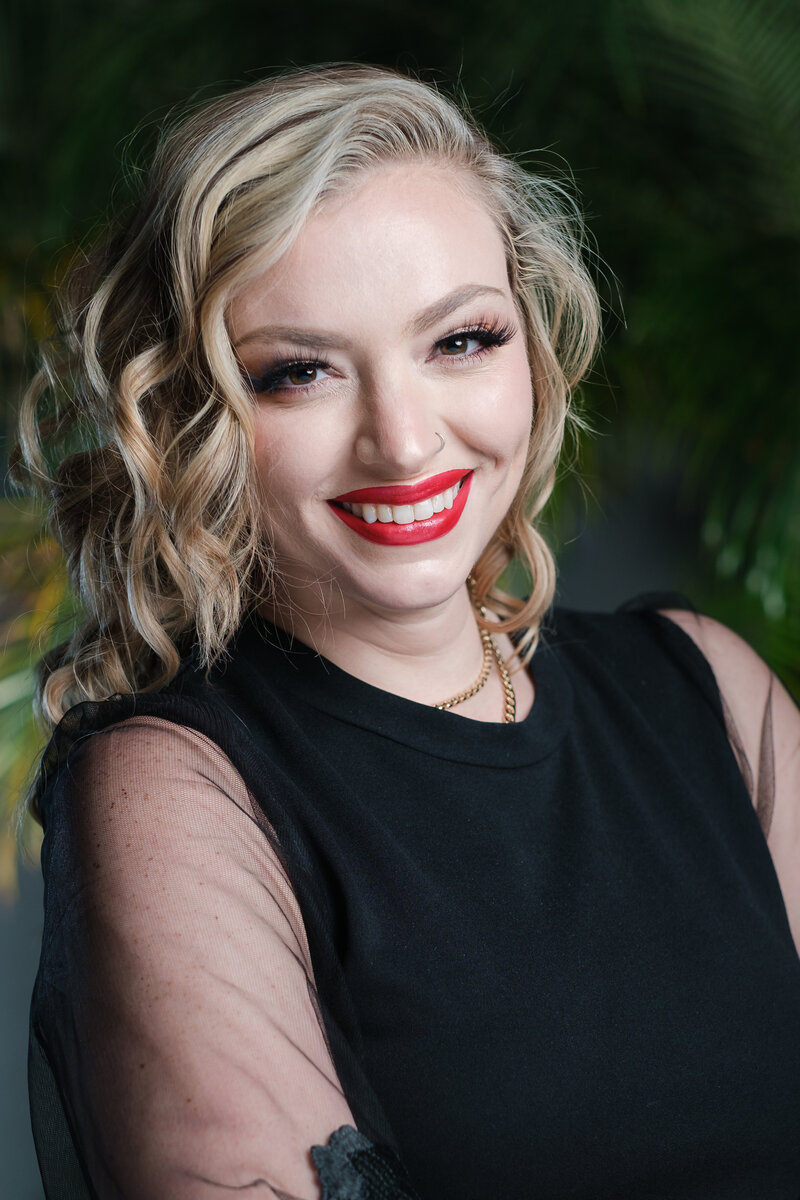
267	383
490	333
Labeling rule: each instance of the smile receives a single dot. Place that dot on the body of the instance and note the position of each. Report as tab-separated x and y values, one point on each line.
405	514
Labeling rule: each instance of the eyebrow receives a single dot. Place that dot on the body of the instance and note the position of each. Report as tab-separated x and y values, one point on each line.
311	338
449	303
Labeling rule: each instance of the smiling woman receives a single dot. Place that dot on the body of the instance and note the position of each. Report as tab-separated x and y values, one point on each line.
420	398
367	880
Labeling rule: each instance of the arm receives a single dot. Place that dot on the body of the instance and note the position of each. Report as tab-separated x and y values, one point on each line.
190	1055
764	730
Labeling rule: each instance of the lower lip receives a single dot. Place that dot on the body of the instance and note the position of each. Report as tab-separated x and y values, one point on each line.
391	534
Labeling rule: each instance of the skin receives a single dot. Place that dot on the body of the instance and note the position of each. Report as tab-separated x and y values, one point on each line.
364	277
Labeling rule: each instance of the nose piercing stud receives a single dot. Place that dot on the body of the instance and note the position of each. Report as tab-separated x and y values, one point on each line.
441	448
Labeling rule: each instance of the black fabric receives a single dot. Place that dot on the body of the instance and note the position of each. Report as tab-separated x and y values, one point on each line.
63	1175
351	1166
553	958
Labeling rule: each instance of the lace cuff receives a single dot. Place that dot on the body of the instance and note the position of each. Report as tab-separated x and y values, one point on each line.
351	1167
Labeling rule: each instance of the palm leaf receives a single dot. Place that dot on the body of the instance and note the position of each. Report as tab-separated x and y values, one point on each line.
36	607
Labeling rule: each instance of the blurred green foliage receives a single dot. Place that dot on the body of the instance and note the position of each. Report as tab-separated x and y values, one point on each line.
679	120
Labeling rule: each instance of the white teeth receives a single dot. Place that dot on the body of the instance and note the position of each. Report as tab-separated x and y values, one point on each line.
404	514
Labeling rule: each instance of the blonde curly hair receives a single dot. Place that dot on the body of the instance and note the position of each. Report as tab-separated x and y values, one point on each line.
141	405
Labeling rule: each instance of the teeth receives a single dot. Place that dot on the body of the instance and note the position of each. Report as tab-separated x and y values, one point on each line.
404	514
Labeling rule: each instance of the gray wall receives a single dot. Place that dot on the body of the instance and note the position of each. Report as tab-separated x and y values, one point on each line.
20	932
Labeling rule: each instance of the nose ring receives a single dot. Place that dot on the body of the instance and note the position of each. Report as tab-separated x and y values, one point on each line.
441	448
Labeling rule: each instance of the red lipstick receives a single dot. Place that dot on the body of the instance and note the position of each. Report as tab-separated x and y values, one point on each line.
404	493
391	533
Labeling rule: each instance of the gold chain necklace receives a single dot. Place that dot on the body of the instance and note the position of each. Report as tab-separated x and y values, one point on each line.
490	651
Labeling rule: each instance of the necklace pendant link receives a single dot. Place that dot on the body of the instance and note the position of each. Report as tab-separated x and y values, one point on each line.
490	652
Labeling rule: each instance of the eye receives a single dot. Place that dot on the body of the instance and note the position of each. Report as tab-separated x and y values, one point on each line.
289	377
458	343
473	342
301	374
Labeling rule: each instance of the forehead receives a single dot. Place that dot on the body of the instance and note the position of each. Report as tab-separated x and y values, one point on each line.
396	239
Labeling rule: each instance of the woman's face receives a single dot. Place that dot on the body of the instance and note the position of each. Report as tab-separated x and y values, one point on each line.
387	330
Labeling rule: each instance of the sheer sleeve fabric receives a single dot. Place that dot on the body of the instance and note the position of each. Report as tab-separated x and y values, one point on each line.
763	726
182	1024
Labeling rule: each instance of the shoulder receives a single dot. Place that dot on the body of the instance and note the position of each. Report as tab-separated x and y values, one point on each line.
189	720
734	663
657	639
153	749
757	706
144	759
764	731
144	778
743	678
148	777
763	726
148	803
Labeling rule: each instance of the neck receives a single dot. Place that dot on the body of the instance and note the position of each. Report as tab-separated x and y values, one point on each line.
423	654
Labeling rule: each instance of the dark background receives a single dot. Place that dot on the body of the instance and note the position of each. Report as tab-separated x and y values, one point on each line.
678	123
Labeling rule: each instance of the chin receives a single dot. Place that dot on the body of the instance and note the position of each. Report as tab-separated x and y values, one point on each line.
411	586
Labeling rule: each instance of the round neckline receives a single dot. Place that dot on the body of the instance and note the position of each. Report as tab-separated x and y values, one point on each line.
321	686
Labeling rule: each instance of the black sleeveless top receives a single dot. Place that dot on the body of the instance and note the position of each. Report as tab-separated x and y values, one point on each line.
553	958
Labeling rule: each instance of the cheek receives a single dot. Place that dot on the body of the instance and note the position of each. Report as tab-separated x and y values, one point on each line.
265	459
278	463
505	415
295	455
278	470
519	398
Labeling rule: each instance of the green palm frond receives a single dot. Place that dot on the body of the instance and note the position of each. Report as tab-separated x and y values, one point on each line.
716	318
35	605
735	65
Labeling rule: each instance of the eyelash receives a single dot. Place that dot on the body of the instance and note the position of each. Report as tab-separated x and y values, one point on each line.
490	335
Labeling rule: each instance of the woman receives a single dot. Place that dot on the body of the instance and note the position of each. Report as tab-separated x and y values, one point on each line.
534	943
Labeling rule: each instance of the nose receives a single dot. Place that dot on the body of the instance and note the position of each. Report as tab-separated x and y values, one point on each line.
397	432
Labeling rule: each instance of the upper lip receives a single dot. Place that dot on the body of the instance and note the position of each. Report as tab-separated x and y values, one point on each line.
404	493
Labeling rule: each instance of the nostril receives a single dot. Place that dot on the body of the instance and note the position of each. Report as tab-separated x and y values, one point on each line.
405	451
